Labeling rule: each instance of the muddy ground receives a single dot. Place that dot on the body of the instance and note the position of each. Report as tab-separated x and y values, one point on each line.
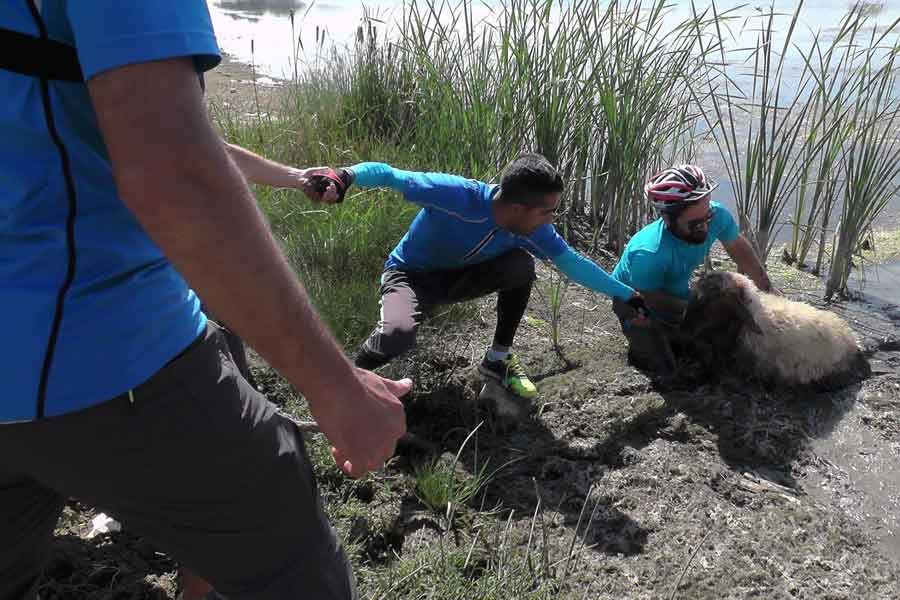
721	488
698	489
702	489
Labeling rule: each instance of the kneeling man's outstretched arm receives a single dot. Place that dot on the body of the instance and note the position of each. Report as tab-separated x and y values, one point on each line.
742	253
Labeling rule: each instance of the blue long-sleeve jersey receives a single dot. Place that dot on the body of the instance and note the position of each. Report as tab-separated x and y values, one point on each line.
456	228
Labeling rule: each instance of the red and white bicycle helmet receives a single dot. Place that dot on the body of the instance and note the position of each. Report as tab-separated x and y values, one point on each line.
673	189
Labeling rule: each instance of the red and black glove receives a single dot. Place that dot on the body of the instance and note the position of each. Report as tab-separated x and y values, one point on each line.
342	179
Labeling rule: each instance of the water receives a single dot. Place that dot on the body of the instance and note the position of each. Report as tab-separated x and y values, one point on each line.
861	472
880	283
267	23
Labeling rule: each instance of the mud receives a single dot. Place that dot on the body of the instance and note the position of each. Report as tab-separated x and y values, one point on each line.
115	566
717	488
696	489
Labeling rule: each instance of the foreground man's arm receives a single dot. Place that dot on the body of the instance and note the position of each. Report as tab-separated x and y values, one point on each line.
173	172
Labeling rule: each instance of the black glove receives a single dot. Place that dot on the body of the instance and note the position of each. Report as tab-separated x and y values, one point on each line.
637	303
342	179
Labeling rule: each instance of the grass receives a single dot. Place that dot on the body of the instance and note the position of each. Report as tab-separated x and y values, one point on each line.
474	552
553	293
443	489
459	573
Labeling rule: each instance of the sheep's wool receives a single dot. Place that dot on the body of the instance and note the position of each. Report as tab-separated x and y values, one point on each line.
799	344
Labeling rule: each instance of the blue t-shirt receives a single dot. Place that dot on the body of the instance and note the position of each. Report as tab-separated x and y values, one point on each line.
656	261
89	306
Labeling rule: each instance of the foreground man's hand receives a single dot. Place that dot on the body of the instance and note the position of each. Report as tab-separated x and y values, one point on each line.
363	421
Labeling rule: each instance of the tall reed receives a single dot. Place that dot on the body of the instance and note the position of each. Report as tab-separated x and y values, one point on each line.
644	112
758	131
600	90
817	147
871	159
842	78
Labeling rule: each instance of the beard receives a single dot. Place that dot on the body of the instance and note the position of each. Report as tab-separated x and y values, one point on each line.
694	237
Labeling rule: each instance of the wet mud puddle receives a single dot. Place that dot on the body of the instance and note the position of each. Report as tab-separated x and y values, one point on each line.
880	283
856	469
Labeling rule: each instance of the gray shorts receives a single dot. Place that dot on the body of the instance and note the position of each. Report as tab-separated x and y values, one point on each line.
200	464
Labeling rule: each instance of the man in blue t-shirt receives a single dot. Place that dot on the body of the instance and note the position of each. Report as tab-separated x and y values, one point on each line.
661	258
469	240
118	201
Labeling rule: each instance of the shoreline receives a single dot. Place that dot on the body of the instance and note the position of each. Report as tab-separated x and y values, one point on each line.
230	87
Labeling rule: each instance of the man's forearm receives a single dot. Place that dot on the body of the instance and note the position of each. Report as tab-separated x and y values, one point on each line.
747	263
193	202
587	273
375	174
263	171
752	268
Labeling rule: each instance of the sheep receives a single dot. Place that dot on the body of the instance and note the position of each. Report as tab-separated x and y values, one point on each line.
778	340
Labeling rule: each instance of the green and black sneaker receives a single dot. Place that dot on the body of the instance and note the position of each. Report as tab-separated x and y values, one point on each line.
510	374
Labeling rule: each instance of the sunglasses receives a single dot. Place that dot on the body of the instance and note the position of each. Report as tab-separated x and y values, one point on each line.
695	224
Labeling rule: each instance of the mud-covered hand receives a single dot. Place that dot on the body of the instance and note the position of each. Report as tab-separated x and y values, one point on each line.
324	184
640	307
363	421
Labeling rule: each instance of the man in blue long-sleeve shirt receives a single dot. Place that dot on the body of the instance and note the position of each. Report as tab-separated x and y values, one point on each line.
469	240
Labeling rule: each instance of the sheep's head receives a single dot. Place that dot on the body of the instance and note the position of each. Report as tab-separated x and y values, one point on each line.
719	305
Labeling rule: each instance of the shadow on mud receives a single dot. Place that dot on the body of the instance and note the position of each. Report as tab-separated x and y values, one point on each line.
535	471
755	430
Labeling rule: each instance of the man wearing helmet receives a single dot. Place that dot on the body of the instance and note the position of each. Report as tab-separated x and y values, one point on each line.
660	259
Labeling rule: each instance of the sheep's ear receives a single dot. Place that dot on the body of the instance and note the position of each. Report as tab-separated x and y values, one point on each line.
746	317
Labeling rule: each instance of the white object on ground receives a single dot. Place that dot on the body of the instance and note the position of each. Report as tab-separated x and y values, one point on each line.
103	523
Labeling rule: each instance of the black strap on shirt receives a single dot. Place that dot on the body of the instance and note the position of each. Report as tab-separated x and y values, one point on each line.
38	57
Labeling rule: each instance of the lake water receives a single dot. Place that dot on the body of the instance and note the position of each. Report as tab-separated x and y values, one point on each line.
267	23
880	283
